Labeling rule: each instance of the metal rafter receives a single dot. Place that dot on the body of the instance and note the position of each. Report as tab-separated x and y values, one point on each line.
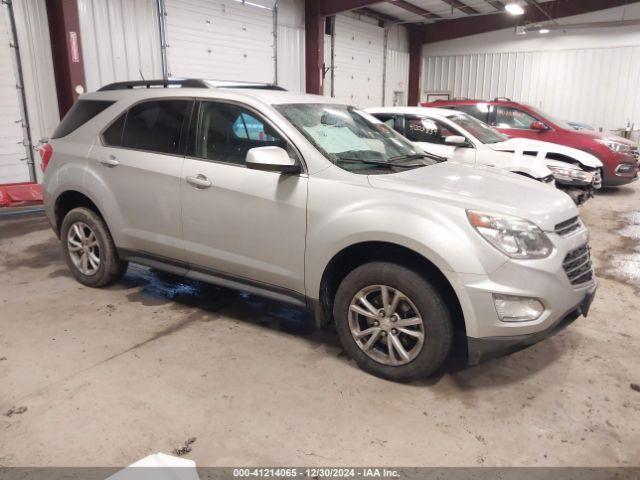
410	7
378	15
332	7
496	4
461	6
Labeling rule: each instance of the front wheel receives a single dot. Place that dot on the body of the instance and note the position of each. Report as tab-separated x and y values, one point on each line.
393	322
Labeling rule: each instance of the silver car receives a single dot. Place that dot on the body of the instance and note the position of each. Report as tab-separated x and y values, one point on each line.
305	200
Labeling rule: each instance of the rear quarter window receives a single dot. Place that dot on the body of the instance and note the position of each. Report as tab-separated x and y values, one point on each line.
79	114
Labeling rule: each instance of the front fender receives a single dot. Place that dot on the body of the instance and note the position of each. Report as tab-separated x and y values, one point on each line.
445	238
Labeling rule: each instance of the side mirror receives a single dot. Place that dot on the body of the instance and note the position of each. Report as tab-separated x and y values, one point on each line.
455	140
271	159
539	126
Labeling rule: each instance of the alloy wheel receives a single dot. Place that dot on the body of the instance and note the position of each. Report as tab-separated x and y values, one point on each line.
386	325
84	249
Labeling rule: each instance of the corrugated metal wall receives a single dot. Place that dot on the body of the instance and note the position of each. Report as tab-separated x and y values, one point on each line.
226	39
37	68
598	86
120	39
291	72
397	78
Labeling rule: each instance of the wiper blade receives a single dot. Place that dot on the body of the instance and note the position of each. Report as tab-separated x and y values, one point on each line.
373	162
415	156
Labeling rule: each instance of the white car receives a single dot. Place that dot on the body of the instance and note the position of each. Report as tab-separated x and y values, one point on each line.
462	138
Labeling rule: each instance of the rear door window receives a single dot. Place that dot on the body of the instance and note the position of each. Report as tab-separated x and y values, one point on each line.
112	136
80	113
156	126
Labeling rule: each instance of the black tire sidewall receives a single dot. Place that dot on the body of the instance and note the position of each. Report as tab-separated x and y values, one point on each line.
433	310
109	262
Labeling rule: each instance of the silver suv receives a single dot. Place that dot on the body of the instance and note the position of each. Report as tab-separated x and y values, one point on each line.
308	201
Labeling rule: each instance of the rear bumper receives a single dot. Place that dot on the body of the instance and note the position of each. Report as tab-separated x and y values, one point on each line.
482	349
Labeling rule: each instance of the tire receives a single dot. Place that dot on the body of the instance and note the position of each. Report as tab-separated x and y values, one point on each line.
109	268
420	307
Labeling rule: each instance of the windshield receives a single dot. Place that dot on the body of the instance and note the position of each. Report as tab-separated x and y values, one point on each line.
352	139
483	132
542	115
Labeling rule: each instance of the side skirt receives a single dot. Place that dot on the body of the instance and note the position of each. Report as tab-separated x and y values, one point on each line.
214	277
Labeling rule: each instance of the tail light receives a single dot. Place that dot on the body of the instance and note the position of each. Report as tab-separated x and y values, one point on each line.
46	152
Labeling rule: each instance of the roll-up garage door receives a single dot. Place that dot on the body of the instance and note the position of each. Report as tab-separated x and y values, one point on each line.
13	164
358	60
221	39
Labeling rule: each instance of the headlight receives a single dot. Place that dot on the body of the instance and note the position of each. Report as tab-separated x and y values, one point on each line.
515	237
567	174
614	146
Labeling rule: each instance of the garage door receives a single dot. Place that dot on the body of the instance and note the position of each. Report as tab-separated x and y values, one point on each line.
13	164
358	59
222	39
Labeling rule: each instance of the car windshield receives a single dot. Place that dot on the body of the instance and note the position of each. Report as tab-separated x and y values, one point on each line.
483	132
544	115
352	139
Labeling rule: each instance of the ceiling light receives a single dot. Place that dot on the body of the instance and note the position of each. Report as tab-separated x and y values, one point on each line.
544	30
514	8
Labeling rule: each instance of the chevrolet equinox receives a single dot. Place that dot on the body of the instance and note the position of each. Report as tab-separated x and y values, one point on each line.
305	200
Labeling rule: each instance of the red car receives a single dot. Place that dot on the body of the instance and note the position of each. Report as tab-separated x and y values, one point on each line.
618	155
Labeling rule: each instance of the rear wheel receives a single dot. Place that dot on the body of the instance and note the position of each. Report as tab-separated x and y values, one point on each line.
89	249
393	322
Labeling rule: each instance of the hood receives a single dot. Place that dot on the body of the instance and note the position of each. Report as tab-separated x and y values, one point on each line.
528	145
602	135
483	188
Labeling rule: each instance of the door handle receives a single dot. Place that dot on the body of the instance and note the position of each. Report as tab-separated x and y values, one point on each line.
199	181
111	161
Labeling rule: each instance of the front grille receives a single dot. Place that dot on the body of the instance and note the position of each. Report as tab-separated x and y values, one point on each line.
568	226
577	265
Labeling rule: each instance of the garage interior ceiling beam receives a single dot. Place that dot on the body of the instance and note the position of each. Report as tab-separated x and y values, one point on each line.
333	7
377	15
462	27
496	4
461	6
410	7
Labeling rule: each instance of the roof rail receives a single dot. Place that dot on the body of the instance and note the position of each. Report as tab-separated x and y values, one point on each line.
241	84
183	83
504	99
188	83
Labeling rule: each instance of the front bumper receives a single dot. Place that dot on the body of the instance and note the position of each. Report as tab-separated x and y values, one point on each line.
482	349
611	177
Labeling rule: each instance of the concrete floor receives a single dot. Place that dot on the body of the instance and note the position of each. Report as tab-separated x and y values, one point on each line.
109	376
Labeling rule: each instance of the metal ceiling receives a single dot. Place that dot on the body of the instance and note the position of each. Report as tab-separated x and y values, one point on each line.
429	11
